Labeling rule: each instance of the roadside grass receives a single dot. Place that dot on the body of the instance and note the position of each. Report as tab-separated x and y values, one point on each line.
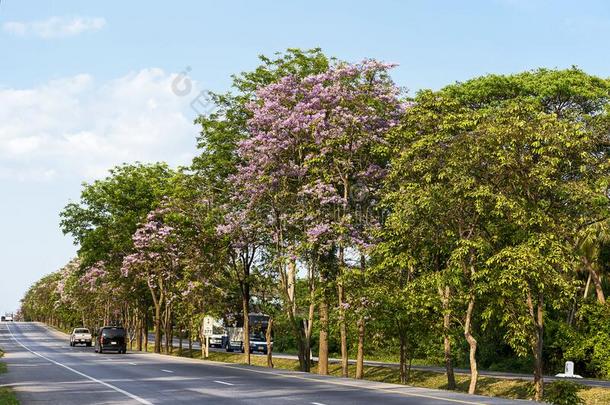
7	396
595	396
2	365
488	386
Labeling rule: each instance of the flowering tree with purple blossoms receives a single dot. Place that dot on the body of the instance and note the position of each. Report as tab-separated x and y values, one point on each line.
90	289
242	241
98	293
318	142
202	288
156	261
221	132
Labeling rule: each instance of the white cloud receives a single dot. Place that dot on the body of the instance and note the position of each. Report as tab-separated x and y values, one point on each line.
55	27
78	127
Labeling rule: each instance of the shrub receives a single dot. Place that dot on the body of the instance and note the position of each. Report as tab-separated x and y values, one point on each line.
563	393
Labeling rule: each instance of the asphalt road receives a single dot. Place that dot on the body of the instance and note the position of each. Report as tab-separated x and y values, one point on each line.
43	368
486	373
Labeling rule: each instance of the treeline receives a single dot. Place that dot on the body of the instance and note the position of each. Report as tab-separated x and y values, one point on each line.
466	226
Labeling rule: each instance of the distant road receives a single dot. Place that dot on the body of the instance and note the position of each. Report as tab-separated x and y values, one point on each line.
43	368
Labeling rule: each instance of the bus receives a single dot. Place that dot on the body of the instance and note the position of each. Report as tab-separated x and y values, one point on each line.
258	324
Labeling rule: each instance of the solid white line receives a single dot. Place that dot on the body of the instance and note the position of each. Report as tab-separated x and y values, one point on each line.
117	389
167	371
222	382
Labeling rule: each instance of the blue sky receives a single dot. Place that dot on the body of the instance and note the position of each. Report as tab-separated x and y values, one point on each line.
87	85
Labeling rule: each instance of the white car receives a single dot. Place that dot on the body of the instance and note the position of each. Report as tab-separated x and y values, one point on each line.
81	336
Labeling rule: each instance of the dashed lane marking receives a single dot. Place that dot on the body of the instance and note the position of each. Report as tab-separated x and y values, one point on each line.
223	382
346	384
112	387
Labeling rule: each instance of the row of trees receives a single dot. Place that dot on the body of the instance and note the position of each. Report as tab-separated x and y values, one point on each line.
452	224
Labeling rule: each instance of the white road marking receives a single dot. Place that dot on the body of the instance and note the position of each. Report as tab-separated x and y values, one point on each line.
373	388
222	382
390	390
317	403
117	389
167	371
133	364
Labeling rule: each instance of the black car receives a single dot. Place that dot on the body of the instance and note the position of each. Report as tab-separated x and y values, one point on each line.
111	338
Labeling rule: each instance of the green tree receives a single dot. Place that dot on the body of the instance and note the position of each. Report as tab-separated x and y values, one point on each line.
221	132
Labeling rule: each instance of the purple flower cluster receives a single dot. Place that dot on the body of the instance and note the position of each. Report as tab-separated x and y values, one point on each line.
156	249
94	275
309	137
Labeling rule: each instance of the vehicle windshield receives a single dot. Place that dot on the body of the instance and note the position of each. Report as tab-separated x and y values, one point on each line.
114	332
81	330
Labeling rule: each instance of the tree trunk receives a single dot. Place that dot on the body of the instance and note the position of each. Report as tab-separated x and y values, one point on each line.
299	331
326	268
323	345
168	330
133	330
180	339
538	366
246	310
170	334
298	327
145	330
165	332
139	332
472	343
190	330
157	328
342	320
343	332
268	335
310	317
202	341
597	282
403	357
360	354
361	327
586	293
445	295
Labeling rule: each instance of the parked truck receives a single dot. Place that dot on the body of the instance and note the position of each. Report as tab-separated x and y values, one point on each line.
218	338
